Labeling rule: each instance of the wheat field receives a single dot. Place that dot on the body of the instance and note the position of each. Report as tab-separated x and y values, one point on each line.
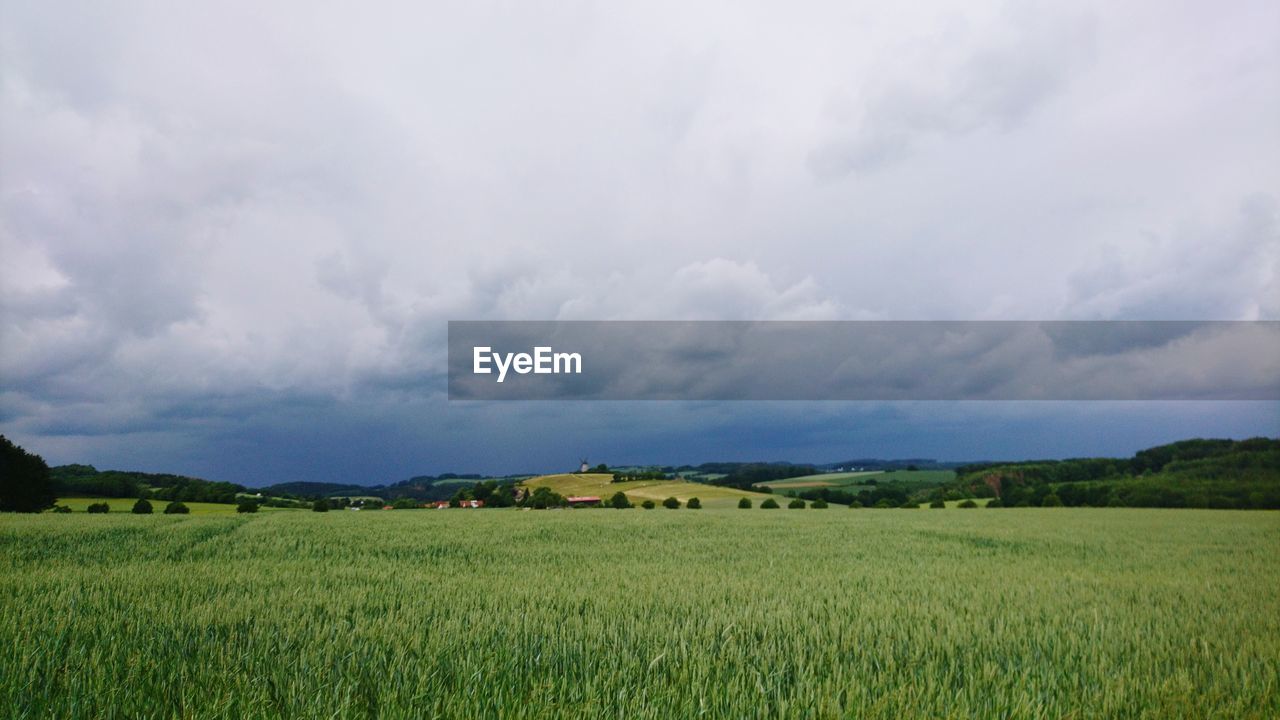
1036	613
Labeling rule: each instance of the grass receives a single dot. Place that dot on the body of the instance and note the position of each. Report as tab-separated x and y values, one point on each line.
637	491
858	480
1037	613
124	505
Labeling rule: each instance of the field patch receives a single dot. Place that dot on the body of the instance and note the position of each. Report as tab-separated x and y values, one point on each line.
602	486
124	505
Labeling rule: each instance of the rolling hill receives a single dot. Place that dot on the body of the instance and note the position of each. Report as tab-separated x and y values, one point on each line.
602	485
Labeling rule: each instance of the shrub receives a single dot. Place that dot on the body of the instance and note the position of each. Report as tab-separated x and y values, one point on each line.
769	504
884	503
938	504
320	505
856	504
995	503
176	508
909	505
671	503
744	504
648	504
796	504
619	501
968	504
1051	500
247	506
1116	501
819	504
1023	503
142	507
694	504
99	508
61	509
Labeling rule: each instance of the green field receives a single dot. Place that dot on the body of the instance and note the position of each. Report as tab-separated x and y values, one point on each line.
637	491
858	480
1036	613
124	505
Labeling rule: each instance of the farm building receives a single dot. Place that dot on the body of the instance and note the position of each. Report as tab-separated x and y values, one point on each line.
444	504
583	500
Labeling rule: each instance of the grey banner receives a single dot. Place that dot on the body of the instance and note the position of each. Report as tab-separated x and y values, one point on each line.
779	360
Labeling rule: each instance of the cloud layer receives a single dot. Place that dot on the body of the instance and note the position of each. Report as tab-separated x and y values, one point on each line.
227	229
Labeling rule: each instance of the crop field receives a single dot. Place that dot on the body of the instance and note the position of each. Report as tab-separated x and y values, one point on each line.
1035	613
711	496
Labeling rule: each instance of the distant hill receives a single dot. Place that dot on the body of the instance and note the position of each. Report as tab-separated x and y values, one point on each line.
315	489
1199	473
86	480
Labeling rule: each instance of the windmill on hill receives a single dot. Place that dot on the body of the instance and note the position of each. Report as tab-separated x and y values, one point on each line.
584	467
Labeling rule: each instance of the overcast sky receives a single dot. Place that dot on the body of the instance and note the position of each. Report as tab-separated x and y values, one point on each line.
233	233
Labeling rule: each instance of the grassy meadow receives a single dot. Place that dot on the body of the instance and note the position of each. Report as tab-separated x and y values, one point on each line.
858	480
1035	613
637	491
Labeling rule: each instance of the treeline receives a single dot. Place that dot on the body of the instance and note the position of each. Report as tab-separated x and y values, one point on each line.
744	475
87	480
1198	473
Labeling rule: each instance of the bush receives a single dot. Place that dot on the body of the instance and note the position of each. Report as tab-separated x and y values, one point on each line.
855	505
671	503
796	504
61	509
648	504
176	508
938	504
744	504
769	504
1023	503
142	507
99	508
995	503
884	503
1116	501
1051	500
694	504
819	504
910	505
320	505
619	501
247	506
968	504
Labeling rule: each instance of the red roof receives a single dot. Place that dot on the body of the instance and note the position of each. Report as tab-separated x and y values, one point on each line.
583	499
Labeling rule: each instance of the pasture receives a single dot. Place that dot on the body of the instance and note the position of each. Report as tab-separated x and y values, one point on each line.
637	491
907	479
1035	613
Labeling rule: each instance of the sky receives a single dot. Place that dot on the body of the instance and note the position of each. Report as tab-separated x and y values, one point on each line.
233	233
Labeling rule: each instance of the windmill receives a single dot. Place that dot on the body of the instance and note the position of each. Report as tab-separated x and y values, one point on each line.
584	467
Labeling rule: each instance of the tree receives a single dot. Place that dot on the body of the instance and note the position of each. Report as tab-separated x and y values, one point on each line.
796	504
25	485
744	504
819	504
142	507
671	503
321	505
769	504
995	503
909	505
99	508
648	505
247	506
619	501
405	503
176	508
694	504
1051	500
938	504
855	505
61	509
885	503
968	504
